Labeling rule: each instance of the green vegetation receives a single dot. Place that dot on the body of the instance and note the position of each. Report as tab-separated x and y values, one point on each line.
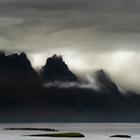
121	136
69	135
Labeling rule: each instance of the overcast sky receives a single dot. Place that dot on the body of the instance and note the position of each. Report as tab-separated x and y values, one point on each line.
90	34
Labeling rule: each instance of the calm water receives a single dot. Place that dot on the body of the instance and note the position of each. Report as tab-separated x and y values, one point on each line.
92	131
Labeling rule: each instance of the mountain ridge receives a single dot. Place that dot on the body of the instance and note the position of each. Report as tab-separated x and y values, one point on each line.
16	67
56	69
24	98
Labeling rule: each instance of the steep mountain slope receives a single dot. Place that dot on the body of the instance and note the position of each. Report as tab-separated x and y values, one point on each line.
23	96
105	83
16	68
56	70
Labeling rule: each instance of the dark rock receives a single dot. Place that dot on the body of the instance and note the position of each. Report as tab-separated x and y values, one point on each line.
56	70
16	68
32	129
120	136
105	83
65	135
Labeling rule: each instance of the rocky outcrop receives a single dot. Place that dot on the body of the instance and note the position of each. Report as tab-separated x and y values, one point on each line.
105	83
56	70
16	68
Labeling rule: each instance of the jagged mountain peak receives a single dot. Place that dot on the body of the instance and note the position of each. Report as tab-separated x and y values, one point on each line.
56	61
56	69
57	57
105	83
16	67
102	76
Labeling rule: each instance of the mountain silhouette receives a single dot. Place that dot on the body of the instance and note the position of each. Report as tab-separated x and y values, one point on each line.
105	83
16	68
24	96
56	70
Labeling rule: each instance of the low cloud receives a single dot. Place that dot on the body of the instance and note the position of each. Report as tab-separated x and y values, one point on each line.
72	85
90	35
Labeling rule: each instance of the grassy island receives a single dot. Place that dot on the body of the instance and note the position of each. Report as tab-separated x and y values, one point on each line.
120	136
68	135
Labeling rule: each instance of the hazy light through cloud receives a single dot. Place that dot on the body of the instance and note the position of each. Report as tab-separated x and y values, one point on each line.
116	60
89	34
118	64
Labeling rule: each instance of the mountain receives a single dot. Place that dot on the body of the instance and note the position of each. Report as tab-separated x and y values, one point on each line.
106	84
56	70
23	96
16	68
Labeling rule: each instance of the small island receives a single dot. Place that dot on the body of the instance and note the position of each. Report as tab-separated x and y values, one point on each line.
120	136
33	129
68	135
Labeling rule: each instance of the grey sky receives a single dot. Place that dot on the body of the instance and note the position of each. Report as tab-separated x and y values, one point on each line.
90	34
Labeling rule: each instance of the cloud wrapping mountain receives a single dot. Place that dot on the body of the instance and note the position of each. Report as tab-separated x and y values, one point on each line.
95	31
25	97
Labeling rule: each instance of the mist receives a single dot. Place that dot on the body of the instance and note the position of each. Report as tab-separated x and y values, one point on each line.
90	35
88	85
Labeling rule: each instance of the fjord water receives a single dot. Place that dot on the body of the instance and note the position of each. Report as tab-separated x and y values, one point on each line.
92	131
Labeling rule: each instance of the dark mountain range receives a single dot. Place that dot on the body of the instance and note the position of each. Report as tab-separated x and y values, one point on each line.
56	70
16	68
23	96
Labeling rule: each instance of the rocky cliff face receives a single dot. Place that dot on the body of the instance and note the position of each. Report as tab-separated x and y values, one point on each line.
106	84
16	68
23	99
56	70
